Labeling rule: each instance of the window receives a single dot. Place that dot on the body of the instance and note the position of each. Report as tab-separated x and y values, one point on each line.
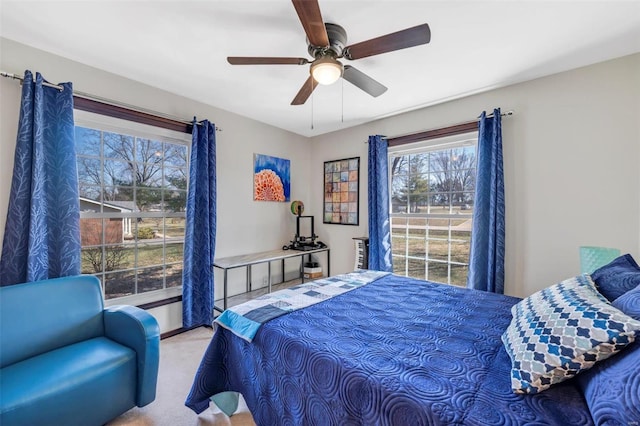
133	192
432	189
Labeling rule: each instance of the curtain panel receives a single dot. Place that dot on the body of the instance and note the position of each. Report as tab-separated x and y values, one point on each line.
42	232
200	229
378	196
486	259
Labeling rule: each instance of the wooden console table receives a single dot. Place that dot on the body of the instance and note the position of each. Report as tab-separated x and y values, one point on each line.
247	260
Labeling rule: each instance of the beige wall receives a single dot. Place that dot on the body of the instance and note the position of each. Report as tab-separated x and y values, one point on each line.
571	153
571	168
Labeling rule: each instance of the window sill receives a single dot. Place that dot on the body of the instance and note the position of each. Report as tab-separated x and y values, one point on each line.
146	298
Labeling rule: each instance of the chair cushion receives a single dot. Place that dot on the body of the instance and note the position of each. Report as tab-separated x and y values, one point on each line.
90	382
617	277
563	330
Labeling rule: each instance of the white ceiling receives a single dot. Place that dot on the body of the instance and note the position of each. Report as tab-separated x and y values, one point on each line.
181	46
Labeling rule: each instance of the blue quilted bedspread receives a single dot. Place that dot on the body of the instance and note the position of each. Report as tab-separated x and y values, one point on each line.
397	351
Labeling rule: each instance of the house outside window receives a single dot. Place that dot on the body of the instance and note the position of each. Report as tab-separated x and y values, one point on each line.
432	187
133	190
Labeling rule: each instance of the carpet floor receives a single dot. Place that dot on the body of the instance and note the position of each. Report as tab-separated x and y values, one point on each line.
179	359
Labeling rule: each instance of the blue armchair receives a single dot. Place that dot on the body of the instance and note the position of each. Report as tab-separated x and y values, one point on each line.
66	360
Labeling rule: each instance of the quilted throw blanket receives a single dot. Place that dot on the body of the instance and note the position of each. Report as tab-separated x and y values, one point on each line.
245	319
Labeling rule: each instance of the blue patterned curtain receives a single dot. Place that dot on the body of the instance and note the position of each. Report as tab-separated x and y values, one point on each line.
486	260
42	232
200	232
379	225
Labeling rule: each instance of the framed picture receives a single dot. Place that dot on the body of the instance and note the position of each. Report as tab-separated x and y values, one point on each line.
341	191
271	178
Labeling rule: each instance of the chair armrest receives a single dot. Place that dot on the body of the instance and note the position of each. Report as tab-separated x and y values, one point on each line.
138	330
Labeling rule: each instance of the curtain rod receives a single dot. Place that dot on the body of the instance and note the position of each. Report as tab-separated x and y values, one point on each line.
455	129
113	108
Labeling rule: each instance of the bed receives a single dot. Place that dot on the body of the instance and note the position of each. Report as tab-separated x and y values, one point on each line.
397	351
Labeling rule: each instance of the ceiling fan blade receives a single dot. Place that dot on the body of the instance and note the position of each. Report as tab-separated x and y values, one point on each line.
311	19
305	91
250	60
409	37
363	81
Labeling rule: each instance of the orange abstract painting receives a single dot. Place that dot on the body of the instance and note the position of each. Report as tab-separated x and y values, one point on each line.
271	181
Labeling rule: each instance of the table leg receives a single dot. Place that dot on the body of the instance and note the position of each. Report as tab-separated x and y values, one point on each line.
328	263
269	275
302	268
224	303
249	278
282	270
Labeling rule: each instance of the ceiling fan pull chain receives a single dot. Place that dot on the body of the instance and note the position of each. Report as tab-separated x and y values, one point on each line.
342	103
311	83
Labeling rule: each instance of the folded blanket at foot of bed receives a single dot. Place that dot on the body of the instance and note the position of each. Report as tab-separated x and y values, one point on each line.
245	319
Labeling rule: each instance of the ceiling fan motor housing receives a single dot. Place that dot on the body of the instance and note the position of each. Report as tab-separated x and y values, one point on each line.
337	41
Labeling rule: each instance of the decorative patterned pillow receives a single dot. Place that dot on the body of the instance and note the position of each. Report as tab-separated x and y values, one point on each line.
612	387
617	277
562	330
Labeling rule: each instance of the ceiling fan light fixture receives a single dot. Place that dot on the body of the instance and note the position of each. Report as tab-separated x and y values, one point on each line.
326	70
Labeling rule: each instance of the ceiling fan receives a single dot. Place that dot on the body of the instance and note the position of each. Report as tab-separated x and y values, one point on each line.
326	44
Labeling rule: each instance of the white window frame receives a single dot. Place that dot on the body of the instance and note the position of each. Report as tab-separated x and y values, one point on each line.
110	124
447	142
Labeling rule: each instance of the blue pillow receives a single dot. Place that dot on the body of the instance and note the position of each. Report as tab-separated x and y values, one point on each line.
563	330
616	278
612	387
629	303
